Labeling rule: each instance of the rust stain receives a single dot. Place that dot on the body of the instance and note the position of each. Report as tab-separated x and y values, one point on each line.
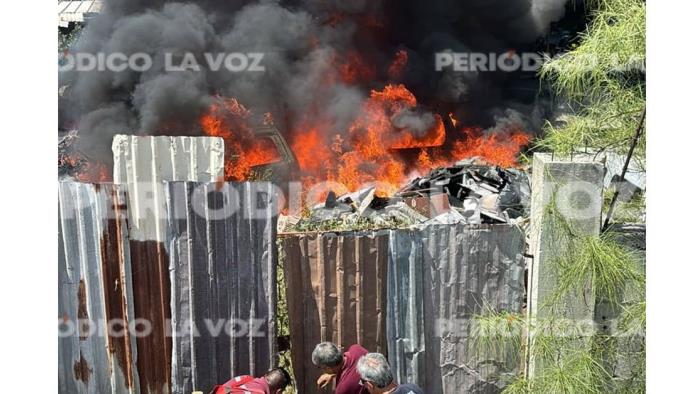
115	298
82	315
336	291
151	288
82	370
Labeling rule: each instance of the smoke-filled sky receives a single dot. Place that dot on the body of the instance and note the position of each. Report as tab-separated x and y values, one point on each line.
301	41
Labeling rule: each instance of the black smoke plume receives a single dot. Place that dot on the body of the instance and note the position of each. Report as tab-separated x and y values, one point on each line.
301	41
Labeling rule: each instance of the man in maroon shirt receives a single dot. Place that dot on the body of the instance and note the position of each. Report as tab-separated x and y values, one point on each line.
342	366
272	382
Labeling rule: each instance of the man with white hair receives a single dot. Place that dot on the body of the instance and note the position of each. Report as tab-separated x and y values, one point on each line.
376	377
339	365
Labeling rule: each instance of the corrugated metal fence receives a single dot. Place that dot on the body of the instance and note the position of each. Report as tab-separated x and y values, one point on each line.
436	279
93	288
336	291
440	277
223	280
209	252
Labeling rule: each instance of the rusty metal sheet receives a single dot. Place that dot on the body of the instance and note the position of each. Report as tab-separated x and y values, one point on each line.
429	206
144	164
336	291
94	288
223	267
439	277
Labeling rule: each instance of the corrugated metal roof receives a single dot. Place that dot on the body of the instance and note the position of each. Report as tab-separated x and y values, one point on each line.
439	278
75	11
94	286
336	291
223	268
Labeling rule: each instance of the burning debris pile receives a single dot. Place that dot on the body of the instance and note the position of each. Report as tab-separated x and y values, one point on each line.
76	165
468	192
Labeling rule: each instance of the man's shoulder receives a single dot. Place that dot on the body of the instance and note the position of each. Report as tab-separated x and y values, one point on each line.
408	389
348	387
357	349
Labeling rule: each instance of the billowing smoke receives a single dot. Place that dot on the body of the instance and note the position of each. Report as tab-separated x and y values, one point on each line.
417	122
304	43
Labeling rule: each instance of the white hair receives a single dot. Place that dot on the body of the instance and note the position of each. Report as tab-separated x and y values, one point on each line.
327	354
374	368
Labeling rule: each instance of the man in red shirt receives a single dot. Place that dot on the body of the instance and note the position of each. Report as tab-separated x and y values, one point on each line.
342	366
273	382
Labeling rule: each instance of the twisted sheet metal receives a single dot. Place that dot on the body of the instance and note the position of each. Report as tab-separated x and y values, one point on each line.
222	266
336	291
439	278
94	288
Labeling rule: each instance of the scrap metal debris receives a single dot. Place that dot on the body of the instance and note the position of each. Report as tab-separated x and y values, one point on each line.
469	192
69	160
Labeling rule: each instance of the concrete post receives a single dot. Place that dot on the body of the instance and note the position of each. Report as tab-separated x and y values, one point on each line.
575	187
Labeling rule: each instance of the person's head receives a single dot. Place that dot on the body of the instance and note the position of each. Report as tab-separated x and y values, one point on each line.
375	374
328	357
277	379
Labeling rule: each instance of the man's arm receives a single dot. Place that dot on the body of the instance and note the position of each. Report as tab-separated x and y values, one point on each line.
324	380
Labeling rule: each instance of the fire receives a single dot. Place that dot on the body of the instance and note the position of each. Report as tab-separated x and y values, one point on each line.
396	69
453	119
94	172
82	169
353	69
229	119
368	152
500	149
372	150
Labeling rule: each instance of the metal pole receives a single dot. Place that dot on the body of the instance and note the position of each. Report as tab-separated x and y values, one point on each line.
636	138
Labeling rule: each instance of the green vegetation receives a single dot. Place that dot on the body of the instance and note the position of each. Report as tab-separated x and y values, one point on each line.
282	319
603	81
341	224
599	261
66	38
631	211
566	357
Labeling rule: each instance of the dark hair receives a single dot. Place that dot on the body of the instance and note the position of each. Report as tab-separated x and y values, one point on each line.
278	378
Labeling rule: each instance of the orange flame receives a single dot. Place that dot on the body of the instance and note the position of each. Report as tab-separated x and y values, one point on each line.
228	119
499	149
353	69
84	170
371	150
396	69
